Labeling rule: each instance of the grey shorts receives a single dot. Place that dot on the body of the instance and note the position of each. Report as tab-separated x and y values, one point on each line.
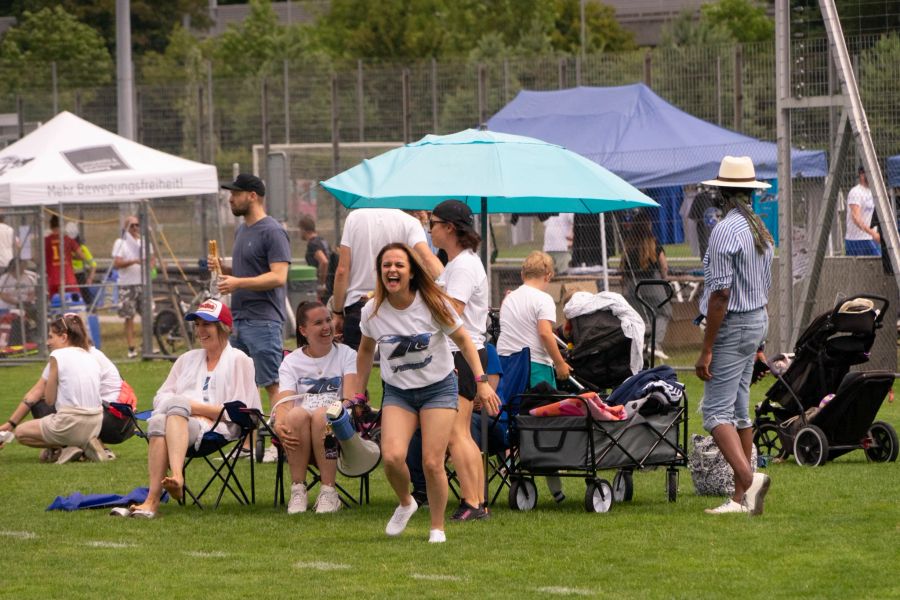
70	428
442	394
130	297
726	397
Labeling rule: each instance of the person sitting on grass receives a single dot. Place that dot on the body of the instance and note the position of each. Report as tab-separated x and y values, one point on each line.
310	379
189	402
527	316
73	389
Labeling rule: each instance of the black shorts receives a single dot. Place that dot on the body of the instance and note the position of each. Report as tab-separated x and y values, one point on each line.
467	384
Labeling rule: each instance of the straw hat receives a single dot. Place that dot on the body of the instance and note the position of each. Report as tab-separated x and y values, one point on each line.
737	172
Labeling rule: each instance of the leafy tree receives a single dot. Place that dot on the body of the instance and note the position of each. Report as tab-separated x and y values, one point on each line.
746	20
53	35
152	21
603	33
879	72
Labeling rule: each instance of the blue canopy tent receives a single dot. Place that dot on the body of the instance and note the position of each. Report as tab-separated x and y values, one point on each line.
892	173
644	140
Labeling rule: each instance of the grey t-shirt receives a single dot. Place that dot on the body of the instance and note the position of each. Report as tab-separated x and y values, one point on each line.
255	248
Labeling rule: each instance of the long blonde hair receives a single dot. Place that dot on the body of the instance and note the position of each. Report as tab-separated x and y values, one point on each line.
435	299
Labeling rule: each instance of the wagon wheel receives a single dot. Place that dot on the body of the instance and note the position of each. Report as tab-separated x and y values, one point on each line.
623	486
598	498
811	447
671	484
768	441
167	331
522	494
883	446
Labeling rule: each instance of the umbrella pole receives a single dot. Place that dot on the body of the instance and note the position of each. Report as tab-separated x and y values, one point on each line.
485	253
605	252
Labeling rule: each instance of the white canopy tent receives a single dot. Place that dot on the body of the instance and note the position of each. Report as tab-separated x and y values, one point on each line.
71	161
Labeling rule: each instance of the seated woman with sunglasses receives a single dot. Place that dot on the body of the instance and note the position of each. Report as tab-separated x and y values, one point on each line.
73	388
189	402
310	379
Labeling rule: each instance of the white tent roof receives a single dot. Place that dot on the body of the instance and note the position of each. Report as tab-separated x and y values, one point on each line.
69	160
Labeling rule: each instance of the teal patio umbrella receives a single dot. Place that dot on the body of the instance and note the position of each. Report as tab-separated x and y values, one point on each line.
491	172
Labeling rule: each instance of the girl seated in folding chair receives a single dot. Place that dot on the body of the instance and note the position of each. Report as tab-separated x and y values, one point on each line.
189	402
310	379
73	388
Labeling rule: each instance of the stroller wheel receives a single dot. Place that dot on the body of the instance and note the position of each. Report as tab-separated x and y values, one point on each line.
671	484
811	447
884	446
599	496
522	494
767	441
623	486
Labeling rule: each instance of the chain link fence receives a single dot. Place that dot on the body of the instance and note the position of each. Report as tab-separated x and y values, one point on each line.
324	117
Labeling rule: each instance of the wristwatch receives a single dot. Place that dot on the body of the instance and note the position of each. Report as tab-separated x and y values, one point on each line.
483	378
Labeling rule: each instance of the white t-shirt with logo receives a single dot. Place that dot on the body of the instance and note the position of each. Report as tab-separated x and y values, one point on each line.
413	344
558	232
110	379
519	315
79	379
320	379
861	196
464	279
128	247
366	232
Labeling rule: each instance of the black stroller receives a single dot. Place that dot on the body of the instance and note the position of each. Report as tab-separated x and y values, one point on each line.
818	410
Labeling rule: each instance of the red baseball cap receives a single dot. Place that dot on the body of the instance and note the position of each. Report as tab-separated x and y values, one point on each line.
212	311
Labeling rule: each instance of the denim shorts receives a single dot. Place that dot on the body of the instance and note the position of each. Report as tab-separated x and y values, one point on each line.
263	341
726	397
442	394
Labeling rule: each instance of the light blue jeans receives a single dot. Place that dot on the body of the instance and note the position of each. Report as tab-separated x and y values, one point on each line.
726	397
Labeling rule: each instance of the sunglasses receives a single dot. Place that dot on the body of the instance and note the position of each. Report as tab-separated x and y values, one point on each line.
134	225
432	223
63	320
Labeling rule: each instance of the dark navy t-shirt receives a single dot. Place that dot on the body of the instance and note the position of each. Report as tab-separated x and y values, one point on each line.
255	248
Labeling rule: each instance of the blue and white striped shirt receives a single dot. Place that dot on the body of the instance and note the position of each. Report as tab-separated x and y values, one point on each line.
732	262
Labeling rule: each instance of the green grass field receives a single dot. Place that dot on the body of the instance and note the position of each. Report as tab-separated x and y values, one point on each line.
827	532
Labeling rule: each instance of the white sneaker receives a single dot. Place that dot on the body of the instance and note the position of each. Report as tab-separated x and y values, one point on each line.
400	518
658	353
730	506
270	455
756	493
132	353
6	437
437	536
94	451
68	454
298	502
328	500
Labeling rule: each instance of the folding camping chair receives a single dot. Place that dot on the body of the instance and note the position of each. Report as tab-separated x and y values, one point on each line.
214	445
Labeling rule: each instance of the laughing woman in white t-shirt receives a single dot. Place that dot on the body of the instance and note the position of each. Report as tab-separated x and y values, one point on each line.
310	379
410	319
73	387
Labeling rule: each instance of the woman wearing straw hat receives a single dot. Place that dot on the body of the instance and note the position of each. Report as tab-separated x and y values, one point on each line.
737	275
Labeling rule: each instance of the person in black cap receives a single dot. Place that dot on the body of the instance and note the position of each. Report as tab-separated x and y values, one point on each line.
256	280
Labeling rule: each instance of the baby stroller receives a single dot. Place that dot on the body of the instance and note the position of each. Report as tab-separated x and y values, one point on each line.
817	410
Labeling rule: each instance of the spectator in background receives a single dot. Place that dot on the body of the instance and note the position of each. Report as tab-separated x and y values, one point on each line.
84	276
861	238
558	236
9	244
366	232
527	316
71	250
644	258
318	253
128	254
705	213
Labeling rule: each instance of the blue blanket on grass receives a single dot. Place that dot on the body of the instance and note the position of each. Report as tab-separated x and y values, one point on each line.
78	500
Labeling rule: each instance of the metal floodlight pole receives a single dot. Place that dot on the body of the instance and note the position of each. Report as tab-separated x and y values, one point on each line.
785	197
124	70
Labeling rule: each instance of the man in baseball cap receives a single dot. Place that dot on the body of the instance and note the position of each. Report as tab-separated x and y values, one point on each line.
245	182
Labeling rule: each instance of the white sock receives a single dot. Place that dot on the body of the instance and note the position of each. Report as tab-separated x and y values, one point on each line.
437	536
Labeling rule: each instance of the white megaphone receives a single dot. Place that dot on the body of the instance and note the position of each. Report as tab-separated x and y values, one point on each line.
358	457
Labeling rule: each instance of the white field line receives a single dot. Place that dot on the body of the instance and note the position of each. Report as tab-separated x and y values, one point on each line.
433	577
103	544
318	565
19	535
566	591
197	554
